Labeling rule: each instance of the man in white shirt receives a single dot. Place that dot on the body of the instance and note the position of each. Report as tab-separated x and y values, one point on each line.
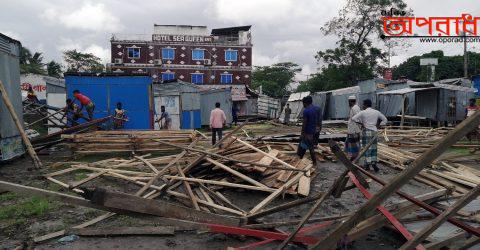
352	143
369	118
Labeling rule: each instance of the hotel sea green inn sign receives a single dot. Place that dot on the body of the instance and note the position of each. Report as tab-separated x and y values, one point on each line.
182	38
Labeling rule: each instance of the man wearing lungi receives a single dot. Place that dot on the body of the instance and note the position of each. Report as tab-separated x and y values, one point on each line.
352	143
369	119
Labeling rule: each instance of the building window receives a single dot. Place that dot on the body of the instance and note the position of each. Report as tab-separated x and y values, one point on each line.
197	78
168	53
133	52
230	55
168	76
226	78
198	54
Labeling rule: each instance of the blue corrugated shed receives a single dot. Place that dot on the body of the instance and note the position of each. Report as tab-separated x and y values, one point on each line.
134	92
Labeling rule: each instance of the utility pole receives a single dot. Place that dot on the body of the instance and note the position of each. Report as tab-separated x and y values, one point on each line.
465	59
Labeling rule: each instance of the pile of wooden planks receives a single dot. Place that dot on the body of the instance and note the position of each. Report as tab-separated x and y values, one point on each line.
101	142
258	167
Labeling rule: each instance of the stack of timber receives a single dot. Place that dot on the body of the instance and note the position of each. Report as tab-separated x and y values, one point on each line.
100	142
400	147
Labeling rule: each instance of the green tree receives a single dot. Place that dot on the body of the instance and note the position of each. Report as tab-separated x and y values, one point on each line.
31	63
274	79
54	69
448	66
82	62
356	56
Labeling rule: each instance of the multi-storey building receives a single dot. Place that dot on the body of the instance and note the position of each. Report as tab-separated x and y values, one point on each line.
220	58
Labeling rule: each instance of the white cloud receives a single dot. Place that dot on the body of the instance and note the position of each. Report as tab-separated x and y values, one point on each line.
90	16
95	49
99	51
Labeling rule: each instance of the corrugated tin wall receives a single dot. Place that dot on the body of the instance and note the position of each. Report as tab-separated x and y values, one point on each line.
268	107
10	140
208	100
134	92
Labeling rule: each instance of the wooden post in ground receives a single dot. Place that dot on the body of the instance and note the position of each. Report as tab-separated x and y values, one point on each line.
28	145
437	222
424	160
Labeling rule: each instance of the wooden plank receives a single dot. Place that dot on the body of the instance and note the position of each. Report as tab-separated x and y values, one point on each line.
236	173
133	203
221	183
147	230
343	158
304	185
153	168
31	151
266	160
265	154
279	191
439	220
193	198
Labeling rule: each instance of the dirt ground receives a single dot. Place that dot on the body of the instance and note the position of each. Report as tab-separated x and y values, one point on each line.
19	230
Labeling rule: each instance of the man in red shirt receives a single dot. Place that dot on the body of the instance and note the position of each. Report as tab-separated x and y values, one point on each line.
85	102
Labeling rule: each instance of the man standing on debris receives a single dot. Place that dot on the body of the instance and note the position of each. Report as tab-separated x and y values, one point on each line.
309	130
217	121
369	119
288	111
166	117
85	102
352	143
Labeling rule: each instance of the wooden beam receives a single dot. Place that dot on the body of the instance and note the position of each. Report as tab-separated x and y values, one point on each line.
348	164
220	183
437	222
236	173
193	198
31	151
398	181
266	154
279	191
137	204
116	231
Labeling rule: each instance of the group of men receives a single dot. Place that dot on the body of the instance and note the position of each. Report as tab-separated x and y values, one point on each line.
362	130
74	112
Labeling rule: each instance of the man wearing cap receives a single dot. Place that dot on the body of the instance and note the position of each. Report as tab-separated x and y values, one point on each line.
352	143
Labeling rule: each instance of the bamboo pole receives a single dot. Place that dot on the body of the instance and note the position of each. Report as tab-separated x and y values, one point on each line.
36	161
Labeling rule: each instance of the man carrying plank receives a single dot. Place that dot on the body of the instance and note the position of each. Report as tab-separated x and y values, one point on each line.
85	102
369	119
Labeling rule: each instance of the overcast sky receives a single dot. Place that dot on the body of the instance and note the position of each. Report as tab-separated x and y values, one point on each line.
282	30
